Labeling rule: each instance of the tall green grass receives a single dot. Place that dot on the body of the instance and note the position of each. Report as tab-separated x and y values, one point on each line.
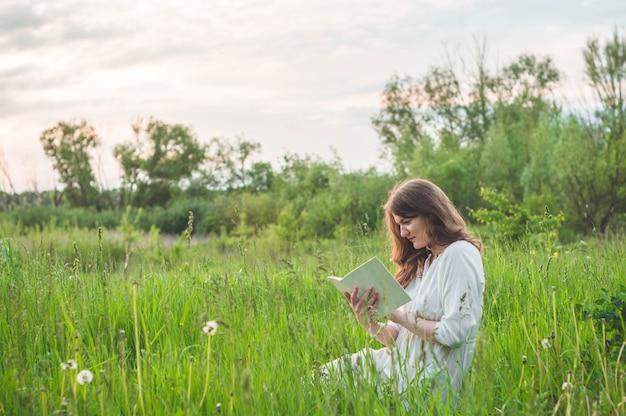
136	323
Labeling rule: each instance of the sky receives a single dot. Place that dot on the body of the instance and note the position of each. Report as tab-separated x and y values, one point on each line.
296	76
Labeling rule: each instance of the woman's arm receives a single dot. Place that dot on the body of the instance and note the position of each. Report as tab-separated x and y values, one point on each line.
461	290
423	328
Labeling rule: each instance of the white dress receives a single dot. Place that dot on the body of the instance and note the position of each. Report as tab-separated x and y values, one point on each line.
450	292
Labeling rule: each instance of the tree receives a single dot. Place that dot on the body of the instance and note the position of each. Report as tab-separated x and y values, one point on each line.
468	122
230	164
160	157
605	69
584	174
526	81
69	146
398	123
523	96
592	162
438	109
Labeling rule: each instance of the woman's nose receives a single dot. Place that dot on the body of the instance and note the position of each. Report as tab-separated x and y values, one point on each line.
403	232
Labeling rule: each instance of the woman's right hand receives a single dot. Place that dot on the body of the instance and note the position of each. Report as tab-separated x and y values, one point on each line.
364	307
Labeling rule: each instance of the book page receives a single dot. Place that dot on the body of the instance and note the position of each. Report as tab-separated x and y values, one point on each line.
373	273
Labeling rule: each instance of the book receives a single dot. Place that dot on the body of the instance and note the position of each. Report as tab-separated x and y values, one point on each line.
373	273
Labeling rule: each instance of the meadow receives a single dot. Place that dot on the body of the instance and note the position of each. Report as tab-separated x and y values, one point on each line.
134	314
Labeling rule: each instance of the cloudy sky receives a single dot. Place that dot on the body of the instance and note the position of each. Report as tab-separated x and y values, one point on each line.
297	76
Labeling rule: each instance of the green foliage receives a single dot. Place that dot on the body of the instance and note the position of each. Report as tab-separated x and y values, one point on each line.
39	216
605	68
511	221
397	123
231	165
502	130
591	184
172	218
527	80
497	168
221	215
287	229
609	312
454	171
69	146
129	228
540	178
161	156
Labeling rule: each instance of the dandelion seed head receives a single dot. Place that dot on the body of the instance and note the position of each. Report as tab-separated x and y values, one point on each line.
545	343
524	359
69	365
566	386
210	327
84	377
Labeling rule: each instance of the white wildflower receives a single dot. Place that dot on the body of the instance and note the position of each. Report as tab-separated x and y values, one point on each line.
84	377
545	343
210	327
69	365
566	386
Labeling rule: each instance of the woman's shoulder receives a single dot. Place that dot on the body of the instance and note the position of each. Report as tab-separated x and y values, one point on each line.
462	247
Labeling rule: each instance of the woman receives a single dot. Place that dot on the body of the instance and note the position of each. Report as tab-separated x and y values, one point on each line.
430	340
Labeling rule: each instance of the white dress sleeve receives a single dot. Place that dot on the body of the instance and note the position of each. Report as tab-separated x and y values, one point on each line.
461	285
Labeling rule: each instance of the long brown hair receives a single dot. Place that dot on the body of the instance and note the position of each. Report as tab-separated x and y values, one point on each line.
445	225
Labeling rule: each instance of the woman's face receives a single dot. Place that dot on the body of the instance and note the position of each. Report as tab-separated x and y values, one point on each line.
413	229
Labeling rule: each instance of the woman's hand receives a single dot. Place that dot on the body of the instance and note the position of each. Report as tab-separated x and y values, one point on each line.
364	307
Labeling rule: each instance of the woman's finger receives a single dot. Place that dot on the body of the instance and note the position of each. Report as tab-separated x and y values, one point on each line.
354	296
373	299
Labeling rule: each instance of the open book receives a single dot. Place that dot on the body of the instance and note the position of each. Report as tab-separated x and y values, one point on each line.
373	273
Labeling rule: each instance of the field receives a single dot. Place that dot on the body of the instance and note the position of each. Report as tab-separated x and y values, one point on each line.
132	313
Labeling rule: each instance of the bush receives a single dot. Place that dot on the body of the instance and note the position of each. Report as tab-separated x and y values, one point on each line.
39	216
511	221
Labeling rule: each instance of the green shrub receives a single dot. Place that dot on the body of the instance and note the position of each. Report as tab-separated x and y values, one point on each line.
511	221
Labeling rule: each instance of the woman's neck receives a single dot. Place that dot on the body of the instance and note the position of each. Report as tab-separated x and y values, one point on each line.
435	250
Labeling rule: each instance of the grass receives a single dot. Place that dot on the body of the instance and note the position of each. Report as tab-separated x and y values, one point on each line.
136	323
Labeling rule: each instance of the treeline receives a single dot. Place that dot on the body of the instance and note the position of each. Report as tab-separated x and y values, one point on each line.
509	154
